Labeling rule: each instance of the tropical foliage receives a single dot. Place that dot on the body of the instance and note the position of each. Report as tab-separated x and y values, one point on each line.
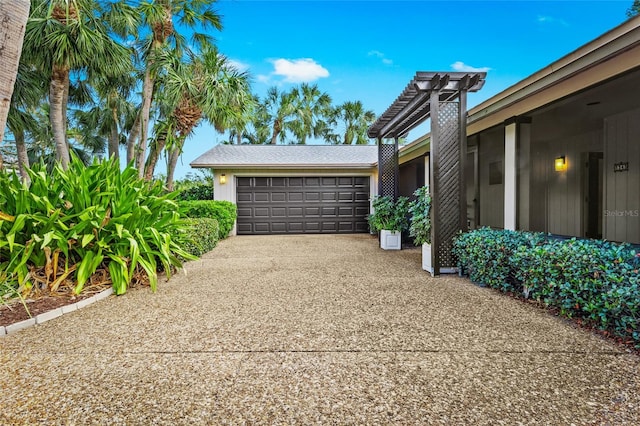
595	282
388	214
70	223
420	211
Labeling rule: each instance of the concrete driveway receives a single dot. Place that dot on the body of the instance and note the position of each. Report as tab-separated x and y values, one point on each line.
313	330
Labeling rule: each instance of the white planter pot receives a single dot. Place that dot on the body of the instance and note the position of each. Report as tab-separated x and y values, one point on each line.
426	258
390	240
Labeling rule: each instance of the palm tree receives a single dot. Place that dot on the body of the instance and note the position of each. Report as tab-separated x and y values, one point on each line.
203	87
356	121
66	35
29	90
13	15
112	110
158	16
279	107
310	107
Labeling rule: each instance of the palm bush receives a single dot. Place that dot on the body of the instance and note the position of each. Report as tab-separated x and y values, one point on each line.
68	223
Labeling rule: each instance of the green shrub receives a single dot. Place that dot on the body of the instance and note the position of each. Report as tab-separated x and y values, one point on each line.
199	191
389	215
199	235
70	222
224	212
420	211
594	281
484	255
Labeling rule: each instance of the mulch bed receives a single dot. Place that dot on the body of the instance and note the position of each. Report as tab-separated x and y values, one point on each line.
14	311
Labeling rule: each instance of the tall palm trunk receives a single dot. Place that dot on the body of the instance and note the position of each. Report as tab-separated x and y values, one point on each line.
114	136
147	97
13	20
154	154
57	95
23	158
277	128
174	155
134	133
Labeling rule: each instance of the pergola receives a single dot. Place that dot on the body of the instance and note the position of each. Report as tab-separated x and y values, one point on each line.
441	96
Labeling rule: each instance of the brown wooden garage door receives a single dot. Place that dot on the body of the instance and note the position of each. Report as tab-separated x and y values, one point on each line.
298	205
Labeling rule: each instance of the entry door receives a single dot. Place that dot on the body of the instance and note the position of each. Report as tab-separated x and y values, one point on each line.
593	189
471	177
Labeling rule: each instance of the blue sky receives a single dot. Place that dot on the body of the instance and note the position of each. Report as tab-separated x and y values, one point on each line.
369	50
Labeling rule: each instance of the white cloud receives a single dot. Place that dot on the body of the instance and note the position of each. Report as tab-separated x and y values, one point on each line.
542	19
299	70
240	66
462	67
381	56
263	78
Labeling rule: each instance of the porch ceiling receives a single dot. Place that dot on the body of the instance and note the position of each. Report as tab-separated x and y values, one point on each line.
412	107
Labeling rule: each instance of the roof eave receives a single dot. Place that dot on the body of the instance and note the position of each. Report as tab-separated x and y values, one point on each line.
284	166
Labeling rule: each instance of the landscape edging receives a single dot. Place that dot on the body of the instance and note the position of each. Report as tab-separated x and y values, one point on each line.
55	313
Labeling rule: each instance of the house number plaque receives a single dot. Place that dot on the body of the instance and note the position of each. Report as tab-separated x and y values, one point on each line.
621	167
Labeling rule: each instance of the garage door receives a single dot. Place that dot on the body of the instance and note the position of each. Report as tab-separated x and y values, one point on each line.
298	205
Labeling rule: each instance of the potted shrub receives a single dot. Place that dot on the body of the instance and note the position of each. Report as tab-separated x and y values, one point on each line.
390	219
420	228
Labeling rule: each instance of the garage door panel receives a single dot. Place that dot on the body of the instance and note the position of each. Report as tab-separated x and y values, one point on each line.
296	227
329	227
245	212
296	182
313	226
325	204
362	211
361	182
329	181
329	196
296	197
312	196
261	197
278	182
346	227
329	211
296	212
312	211
262	212
279	227
345	211
244	197
312	181
362	196
278	197
278	212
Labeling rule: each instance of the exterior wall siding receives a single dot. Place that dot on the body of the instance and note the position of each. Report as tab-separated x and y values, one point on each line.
564	189
622	188
491	162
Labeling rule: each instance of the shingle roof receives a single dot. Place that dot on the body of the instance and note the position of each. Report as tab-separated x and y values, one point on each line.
288	156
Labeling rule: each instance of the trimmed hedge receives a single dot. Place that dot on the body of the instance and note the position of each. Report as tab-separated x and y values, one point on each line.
200	191
594	281
199	236
224	212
